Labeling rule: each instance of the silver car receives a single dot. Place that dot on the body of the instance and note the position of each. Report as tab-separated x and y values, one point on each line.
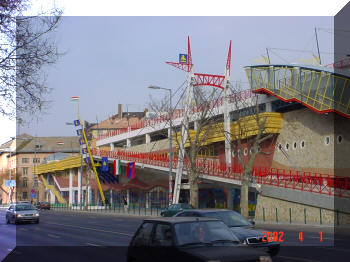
22	213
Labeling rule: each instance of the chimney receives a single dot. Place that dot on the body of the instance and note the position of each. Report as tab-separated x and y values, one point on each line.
120	111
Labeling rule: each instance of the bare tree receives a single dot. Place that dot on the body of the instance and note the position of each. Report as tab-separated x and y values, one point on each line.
249	131
25	49
203	124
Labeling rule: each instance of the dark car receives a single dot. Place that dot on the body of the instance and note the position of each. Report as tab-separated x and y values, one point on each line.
174	209
240	226
21	213
43	205
189	239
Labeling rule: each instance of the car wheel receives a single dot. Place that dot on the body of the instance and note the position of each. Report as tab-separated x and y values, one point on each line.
37	222
7	220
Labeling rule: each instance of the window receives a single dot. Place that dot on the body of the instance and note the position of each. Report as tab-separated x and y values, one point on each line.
25	182
327	140
25	171
24	195
295	145
245	152
35	183
25	160
339	139
259	149
163	236
143	235
36	160
279	147
287	146
302	144
233	153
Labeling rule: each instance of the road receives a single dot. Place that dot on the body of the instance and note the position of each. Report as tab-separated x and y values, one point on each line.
75	236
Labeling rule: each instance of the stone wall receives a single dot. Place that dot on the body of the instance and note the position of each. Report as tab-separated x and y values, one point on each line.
282	211
152	146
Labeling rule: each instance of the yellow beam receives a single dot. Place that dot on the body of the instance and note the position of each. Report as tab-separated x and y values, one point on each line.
249	127
60	165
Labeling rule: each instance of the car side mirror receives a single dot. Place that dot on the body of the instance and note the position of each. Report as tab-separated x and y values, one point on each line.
252	222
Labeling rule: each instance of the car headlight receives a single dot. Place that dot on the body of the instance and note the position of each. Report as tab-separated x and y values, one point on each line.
265	259
244	242
36	214
18	215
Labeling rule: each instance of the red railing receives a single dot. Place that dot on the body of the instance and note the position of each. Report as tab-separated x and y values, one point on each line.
245	94
297	180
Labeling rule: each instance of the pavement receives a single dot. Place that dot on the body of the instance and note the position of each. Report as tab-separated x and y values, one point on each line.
85	236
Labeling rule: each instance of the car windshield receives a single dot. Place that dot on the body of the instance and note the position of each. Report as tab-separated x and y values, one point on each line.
230	218
24	207
187	206
203	232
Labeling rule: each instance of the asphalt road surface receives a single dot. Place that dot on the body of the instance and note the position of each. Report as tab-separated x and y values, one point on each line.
75	236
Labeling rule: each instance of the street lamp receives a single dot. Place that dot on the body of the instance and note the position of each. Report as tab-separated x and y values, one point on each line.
170	142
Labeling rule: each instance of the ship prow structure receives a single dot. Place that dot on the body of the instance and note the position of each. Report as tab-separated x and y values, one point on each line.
321	89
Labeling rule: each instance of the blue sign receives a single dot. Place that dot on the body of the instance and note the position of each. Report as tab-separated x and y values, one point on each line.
104	164
84	151
183	58
79	132
76	122
33	195
81	141
10	183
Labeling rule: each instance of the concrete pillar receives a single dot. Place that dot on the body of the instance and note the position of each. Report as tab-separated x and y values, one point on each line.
128	197
79	186
227	124
229	199
147	199
148	138
111	145
195	124
111	197
52	198
268	107
89	195
128	142
71	174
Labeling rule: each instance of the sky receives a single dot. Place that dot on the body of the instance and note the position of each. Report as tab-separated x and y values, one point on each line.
112	59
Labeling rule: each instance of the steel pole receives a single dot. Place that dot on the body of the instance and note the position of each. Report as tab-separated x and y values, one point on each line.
170	152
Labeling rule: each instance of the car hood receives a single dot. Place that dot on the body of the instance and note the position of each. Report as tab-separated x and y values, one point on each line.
223	254
243	232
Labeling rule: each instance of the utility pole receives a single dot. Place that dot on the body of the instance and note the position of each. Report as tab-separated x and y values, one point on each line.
318	48
170	113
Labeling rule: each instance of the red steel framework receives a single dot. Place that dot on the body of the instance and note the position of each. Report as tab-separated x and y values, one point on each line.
324	184
244	94
203	79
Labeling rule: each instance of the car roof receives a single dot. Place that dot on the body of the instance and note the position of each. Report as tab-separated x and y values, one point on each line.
174	220
208	210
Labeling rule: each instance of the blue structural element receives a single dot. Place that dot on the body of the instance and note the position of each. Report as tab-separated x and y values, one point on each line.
106	177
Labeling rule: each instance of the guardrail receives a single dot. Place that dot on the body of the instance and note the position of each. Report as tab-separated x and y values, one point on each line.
242	95
134	209
304	181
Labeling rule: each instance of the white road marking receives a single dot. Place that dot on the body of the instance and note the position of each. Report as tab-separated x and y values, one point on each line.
54	236
299	259
89	228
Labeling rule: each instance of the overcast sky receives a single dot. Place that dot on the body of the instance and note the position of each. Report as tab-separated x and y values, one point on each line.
111	60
